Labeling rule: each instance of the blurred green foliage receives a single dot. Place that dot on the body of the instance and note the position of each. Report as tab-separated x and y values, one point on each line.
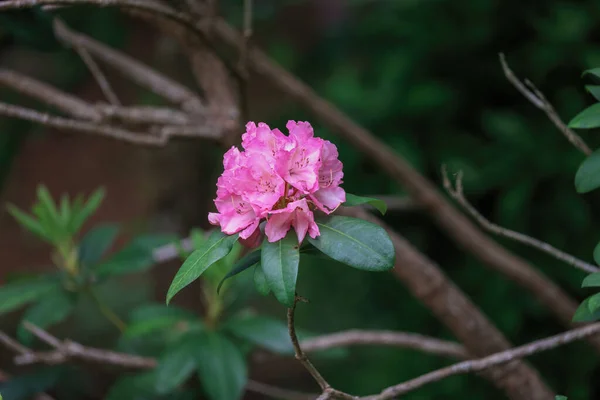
424	76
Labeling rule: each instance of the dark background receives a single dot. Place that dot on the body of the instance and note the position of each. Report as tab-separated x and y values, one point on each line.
424	77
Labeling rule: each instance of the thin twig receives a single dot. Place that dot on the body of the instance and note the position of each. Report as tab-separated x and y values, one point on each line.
66	124
65	102
385	338
537	98
300	356
98	75
489	361
145	115
136	71
457	193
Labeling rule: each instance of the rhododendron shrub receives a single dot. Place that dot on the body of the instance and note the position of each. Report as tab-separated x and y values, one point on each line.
277	194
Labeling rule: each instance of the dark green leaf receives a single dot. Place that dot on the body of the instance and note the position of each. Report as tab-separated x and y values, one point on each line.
96	243
265	332
136	387
14	295
176	365
560	397
260	281
241	265
50	309
597	254
24	386
216	247
593	71
157	317
65	209
221	367
28	222
279	262
353	200
355	242
592	280
583	313
135	257
594	91
587	177
594	303
83	213
587	119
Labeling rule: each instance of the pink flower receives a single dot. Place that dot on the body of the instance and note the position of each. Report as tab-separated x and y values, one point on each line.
279	178
296	214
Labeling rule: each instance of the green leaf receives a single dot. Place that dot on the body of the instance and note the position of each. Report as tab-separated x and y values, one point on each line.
262	331
26	386
597	254
241	265
594	91
592	71
587	119
592	280
135	257
14	295
216	247
355	242
28	222
48	204
279	262
583	313
151	318
50	309
65	210
587	177
96	243
559	397
176	365
353	200
221	367
136	387
594	303
84	212
260	281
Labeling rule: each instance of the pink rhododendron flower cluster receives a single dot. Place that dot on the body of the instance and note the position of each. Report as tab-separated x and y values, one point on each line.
278	178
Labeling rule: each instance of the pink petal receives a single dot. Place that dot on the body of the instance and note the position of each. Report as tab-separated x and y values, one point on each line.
328	199
277	226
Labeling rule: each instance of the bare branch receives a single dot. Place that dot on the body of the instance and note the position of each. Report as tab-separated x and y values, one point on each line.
489	361
145	115
538	99
48	94
385	338
66	124
133	69
98	75
458	194
65	350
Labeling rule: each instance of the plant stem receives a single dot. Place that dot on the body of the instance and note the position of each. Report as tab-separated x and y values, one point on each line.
300	355
108	313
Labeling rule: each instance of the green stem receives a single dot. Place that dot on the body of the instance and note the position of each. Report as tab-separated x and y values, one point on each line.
108	313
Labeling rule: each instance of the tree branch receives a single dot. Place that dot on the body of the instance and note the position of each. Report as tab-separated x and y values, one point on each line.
487	362
385	338
458	194
277	393
538	99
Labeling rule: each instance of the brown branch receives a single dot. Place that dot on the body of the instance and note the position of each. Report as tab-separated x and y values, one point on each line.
66	124
488	362
65	102
428	283
98	75
537	98
457	193
144	115
133	69
385	338
458	226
